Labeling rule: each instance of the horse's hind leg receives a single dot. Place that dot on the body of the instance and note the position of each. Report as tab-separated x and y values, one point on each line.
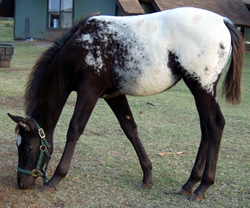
212	123
121	109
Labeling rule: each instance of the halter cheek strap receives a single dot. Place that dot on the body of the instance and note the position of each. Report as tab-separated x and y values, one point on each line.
43	150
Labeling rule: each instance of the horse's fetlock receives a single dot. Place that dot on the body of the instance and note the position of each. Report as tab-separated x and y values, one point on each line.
187	188
147	165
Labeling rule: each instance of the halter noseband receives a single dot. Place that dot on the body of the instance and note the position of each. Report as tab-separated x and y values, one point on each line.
43	149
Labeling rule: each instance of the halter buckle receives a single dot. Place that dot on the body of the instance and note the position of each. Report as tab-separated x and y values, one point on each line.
41	133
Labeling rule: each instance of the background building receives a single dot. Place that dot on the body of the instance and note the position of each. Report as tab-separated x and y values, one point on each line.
46	19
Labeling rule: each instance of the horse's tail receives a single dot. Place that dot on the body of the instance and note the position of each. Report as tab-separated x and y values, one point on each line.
232	83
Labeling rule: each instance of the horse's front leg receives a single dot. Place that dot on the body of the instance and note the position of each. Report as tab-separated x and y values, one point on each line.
121	109
83	109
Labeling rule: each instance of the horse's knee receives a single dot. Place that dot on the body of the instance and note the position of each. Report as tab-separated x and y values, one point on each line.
61	171
73	134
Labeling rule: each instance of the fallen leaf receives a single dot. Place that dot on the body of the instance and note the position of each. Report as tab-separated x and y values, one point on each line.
170	153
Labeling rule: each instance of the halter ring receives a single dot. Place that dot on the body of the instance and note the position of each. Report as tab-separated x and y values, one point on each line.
36	173
43	148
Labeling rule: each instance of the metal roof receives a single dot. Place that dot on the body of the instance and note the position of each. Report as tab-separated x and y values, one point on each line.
235	10
130	7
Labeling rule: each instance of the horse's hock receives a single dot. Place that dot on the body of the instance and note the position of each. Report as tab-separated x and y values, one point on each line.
6	52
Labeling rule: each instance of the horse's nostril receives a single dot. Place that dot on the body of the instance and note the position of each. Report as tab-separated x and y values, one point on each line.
21	185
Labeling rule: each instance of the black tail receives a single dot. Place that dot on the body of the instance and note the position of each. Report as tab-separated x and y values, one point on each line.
232	83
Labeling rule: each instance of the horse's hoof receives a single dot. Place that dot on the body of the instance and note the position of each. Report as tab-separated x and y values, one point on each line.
195	197
48	189
183	192
146	185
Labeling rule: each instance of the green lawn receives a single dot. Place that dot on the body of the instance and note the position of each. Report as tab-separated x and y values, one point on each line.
105	171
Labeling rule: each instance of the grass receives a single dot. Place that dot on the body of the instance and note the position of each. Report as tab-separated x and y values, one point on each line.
105	171
6	30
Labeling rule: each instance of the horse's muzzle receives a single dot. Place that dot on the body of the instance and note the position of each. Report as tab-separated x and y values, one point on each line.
25	181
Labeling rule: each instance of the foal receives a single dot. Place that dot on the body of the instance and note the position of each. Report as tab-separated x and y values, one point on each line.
111	57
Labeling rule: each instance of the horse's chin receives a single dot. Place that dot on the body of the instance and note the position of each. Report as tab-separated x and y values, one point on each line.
25	181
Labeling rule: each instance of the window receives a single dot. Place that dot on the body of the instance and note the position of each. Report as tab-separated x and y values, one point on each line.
60	13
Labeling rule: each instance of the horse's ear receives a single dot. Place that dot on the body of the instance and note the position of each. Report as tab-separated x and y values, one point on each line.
15	118
20	120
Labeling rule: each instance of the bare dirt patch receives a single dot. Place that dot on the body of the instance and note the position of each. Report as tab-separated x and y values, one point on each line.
12	102
19	69
38	43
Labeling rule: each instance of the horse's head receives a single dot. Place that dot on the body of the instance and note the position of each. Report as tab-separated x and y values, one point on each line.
31	151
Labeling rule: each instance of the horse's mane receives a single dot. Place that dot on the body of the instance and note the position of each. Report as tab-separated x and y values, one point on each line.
41	67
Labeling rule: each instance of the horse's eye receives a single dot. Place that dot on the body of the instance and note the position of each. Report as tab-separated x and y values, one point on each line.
28	149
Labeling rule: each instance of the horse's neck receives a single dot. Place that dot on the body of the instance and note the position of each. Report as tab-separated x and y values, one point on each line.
49	106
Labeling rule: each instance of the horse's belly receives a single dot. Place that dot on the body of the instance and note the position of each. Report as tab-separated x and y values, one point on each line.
146	81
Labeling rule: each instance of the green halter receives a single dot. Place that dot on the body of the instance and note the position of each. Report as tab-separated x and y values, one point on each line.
43	150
